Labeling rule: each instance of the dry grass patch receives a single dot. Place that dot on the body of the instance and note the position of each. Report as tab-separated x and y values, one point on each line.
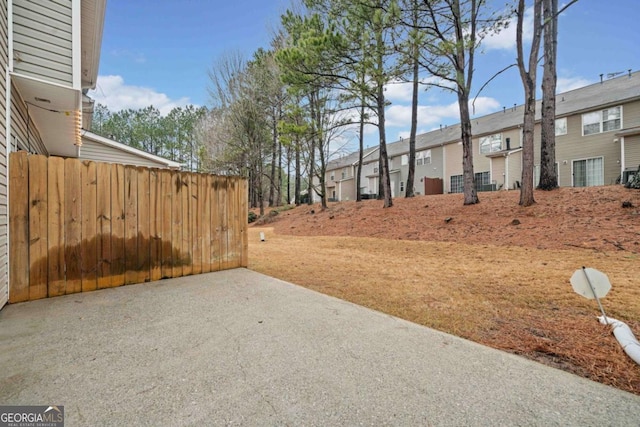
509	297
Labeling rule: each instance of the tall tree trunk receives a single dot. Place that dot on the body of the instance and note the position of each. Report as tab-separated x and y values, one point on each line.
386	177
548	172
279	176
312	152
380	106
298	174
288	174
409	192
464	80
260	174
526	188
272	173
468	177
529	78
414	128
360	153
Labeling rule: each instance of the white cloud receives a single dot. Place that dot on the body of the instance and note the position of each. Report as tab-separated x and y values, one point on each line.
398	91
429	115
403	91
116	95
565	84
136	57
506	38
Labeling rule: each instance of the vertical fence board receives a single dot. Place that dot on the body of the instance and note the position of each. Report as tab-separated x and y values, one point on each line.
19	227
38	246
216	228
205	197
117	225
104	218
196	218
89	227
167	220
130	224
244	212
176	231
73	225
236	241
155	225
223	194
144	229
187	249
55	218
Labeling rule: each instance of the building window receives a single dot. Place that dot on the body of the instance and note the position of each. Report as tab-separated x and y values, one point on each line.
401	186
561	126
404	160
423	157
602	121
344	175
482	178
375	170
491	143
333	177
457	185
588	172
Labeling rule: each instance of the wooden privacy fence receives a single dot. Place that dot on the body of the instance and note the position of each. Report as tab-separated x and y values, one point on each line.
78	226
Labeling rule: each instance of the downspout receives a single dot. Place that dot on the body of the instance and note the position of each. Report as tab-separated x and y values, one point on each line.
623	166
8	139
506	171
444	170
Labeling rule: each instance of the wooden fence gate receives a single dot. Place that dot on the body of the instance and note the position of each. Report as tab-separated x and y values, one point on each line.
78	226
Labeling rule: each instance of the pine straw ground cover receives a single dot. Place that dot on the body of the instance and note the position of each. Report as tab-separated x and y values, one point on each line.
481	275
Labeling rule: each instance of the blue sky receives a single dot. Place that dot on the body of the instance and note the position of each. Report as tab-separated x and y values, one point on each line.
158	53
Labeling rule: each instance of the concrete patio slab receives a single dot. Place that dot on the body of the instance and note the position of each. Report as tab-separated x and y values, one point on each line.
240	348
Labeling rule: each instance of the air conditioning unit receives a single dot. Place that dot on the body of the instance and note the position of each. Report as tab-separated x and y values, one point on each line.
628	175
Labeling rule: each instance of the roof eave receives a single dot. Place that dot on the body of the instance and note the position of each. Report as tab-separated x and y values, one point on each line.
93	13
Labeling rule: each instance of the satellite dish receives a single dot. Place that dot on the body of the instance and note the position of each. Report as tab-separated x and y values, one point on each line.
599	287
591	283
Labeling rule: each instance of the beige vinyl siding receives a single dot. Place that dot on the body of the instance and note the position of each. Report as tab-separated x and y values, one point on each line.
42	47
23	130
574	146
453	160
4	181
432	170
346	189
515	169
632	151
498	170
91	150
631	115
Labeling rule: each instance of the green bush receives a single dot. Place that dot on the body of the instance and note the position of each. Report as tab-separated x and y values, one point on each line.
252	217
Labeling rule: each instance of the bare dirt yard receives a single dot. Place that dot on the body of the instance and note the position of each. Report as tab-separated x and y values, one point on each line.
494	273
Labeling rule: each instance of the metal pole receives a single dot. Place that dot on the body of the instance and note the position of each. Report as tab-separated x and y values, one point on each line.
594	294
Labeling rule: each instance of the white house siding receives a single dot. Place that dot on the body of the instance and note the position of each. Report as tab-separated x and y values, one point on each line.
24	134
4	181
42	40
91	150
